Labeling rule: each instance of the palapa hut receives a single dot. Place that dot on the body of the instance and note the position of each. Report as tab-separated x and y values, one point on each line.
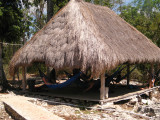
83	35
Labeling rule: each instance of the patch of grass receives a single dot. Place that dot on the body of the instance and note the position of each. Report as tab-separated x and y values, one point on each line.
77	112
90	111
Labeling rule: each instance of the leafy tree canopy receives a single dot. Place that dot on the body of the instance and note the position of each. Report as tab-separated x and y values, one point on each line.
145	16
10	20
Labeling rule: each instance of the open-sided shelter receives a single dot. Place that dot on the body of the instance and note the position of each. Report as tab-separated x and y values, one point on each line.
83	35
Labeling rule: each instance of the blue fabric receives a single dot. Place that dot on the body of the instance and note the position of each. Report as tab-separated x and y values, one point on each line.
68	82
110	78
128	73
118	80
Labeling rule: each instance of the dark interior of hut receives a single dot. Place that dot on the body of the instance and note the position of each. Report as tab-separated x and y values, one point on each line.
84	87
80	85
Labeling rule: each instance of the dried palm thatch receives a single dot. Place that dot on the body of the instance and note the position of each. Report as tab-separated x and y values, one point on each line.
84	35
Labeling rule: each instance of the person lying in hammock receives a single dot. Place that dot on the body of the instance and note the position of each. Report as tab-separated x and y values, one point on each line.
96	83
44	78
82	80
92	84
151	82
61	85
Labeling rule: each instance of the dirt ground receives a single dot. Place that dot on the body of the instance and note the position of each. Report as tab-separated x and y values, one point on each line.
141	108
3	114
124	110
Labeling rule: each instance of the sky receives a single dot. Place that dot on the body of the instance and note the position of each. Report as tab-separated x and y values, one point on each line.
127	1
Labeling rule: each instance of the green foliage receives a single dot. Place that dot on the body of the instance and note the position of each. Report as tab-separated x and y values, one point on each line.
1	8
58	4
11	20
40	18
109	3
34	68
145	16
136	74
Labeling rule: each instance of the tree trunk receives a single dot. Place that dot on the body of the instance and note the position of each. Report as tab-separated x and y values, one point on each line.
49	9
13	51
24	70
3	80
49	16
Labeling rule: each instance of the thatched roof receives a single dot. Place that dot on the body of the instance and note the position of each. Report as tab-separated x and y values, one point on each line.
85	35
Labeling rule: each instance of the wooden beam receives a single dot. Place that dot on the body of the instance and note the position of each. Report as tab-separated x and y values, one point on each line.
102	89
24	78
128	76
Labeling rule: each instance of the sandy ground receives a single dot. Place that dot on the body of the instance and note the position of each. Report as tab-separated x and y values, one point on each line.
134	109
119	111
3	114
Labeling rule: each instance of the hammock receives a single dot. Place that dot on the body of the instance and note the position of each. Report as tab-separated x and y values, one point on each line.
118	80
55	86
68	74
110	78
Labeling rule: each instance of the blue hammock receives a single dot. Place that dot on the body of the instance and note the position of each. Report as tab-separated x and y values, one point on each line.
55	86
110	78
118	80
68	82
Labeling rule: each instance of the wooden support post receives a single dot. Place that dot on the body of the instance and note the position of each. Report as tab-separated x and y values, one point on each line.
151	83
102	89
24	78
18	78
128	77
107	91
